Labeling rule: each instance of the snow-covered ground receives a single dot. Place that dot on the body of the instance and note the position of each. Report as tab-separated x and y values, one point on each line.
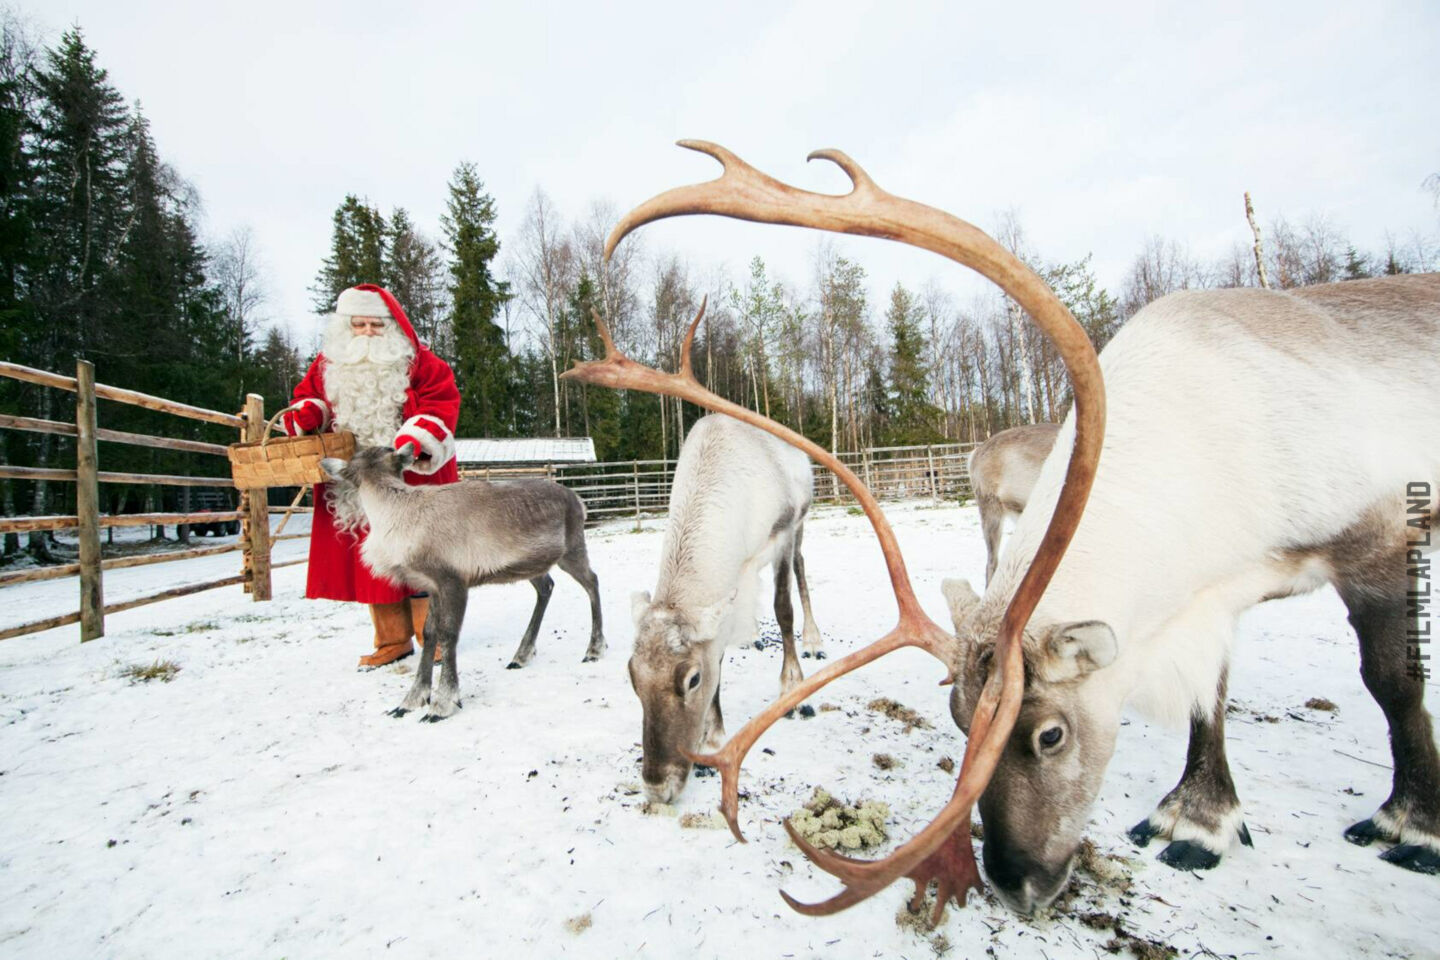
262	803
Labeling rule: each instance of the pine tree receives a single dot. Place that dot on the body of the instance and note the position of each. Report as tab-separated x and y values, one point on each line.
412	271
912	416
357	252
483	366
79	146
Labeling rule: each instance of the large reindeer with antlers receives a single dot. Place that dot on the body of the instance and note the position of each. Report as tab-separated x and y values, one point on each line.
941	852
1322	402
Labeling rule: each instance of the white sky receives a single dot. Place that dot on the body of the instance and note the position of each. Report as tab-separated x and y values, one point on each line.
1099	123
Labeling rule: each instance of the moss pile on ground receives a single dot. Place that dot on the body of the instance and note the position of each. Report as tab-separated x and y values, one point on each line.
828	822
898	711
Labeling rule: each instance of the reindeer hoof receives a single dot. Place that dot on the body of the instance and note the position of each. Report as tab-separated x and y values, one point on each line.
703	771
397	713
819	654
590	658
1413	856
514	665
1185	855
758	645
1142	832
806	711
1365	832
431	718
1244	832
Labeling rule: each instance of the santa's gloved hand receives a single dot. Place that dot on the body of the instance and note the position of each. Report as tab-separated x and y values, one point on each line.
309	418
411	444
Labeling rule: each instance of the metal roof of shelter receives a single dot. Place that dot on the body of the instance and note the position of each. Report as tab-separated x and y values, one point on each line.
525	450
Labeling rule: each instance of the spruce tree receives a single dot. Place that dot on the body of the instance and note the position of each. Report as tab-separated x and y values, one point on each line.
357	252
911	414
412	271
78	150
482	357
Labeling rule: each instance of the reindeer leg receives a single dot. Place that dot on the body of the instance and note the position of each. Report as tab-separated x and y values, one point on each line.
992	523
790	674
577	564
1202	815
1410	818
419	693
712	735
811	640
543	585
447	613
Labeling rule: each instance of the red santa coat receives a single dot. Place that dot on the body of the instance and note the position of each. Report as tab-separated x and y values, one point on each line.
429	414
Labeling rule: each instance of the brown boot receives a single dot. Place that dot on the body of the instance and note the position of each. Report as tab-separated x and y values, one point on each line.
419	609
392	634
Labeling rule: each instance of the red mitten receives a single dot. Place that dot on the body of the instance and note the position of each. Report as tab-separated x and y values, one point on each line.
309	418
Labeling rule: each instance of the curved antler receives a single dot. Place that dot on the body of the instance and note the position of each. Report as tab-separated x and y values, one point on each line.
941	851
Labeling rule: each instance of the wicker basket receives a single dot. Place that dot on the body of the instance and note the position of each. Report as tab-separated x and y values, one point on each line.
286	461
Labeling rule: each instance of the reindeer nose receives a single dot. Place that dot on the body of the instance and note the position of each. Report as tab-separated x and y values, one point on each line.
1024	883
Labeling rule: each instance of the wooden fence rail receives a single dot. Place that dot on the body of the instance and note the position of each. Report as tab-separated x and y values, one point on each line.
253	513
636	488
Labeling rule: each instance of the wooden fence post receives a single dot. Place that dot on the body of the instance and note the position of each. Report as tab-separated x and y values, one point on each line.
934	480
257	508
87	504
637	496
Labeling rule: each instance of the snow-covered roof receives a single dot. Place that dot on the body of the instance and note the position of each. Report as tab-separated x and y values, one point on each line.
526	450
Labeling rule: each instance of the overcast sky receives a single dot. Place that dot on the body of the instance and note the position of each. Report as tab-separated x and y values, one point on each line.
1099	124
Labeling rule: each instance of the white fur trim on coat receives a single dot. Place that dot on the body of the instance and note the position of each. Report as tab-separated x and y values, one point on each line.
440	452
325	416
361	303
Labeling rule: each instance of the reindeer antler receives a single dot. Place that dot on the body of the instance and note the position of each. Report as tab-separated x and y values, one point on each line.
941	851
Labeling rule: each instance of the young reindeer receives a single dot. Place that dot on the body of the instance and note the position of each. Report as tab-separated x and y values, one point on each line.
1003	471
738	503
447	539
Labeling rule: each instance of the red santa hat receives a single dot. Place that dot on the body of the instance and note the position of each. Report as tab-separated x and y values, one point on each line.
372	300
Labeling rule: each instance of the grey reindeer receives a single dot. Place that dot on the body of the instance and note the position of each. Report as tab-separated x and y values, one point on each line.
446	539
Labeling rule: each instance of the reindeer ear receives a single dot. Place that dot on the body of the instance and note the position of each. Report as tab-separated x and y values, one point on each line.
960	597
332	467
639	603
707	619
1075	649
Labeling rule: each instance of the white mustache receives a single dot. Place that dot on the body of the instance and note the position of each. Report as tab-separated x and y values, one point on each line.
373	349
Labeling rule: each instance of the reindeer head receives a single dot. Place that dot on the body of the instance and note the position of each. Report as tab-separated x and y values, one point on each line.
941	852
372	467
675	671
1037	802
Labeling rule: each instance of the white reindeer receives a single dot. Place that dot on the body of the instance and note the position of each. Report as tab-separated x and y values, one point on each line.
738	503
1003	471
1260	444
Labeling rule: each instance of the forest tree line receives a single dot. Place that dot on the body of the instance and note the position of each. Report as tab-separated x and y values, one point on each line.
102	258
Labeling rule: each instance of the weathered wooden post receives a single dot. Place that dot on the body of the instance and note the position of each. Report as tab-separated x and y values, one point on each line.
256	507
934	480
637	495
87	504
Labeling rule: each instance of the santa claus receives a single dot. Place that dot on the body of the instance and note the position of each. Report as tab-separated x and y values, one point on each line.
376	379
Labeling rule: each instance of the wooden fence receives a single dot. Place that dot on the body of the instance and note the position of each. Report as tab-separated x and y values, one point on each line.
636	488
255	541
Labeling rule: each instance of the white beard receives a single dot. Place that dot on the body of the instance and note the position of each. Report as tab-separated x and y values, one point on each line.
366	379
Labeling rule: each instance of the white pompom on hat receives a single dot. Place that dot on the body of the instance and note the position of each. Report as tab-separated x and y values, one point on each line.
361	303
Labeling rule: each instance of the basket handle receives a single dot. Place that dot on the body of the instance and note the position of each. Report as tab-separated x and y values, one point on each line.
270	424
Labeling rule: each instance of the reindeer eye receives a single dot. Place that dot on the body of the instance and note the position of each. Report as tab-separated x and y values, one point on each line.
694	681
1051	737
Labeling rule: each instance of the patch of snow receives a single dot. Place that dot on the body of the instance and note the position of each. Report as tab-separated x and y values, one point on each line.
262	803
